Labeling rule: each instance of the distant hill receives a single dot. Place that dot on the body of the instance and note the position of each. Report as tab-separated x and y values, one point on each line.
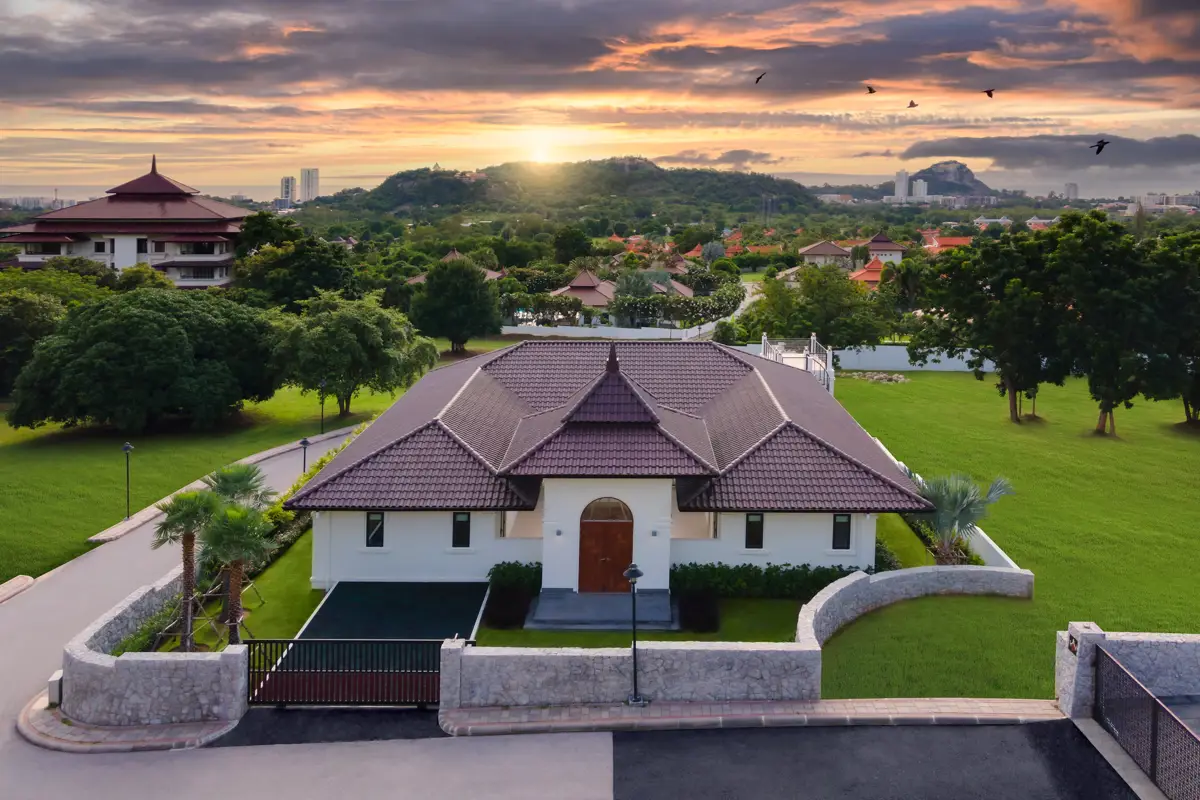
952	177
614	186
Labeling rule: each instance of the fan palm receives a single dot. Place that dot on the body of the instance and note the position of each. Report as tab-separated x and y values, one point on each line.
959	504
241	484
185	516
234	536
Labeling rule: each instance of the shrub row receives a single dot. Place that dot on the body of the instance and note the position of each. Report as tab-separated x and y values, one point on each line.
924	532
774	581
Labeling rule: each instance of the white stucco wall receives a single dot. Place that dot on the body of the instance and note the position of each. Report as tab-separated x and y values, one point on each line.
894	358
650	500
690	524
417	547
893	257
525	524
787	539
125	252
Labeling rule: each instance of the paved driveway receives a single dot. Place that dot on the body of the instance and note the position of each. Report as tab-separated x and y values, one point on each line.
383	610
1038	761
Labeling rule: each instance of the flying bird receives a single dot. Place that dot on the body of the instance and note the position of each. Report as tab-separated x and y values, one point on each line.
1099	146
988	92
912	103
870	90
760	77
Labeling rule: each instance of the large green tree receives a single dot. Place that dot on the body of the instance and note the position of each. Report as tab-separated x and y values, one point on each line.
133	358
297	270
105	275
457	303
70	289
340	346
25	317
142	276
571	242
266	228
838	310
1002	302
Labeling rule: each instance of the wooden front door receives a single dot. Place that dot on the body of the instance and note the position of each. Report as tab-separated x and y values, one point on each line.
605	550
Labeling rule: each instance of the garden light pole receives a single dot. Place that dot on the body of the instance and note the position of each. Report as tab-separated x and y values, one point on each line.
632	574
322	406
127	448
304	443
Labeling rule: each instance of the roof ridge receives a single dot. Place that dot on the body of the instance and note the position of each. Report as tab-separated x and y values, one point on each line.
689	451
851	459
507	464
314	484
458	393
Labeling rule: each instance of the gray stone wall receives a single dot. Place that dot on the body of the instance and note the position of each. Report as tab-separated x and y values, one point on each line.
680	671
148	688
845	600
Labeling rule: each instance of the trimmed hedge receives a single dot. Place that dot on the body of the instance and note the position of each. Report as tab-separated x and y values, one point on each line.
516	575
513	587
774	581
885	559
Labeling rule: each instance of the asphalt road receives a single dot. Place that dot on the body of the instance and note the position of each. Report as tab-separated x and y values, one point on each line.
1041	761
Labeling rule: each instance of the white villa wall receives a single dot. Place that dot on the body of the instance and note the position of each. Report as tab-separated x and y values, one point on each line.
888	257
125	252
787	539
649	499
690	524
894	358
416	547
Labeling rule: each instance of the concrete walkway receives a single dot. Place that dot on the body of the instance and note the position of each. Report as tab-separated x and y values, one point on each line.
36	624
676	716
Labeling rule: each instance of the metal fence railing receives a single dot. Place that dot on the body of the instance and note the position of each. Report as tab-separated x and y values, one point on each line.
344	671
1157	740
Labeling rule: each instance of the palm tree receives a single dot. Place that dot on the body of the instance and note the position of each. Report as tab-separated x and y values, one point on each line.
234	536
959	505
241	484
186	515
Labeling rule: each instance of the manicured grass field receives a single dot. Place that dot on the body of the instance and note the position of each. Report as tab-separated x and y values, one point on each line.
62	486
741	621
896	534
1110	527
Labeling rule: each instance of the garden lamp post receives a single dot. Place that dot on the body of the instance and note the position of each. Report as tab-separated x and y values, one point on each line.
304	443
127	448
322	406
632	574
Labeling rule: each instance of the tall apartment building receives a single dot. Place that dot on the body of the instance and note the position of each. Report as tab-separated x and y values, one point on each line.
287	190
920	188
1071	191
902	184
310	184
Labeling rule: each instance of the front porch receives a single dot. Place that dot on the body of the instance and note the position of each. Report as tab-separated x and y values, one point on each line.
566	610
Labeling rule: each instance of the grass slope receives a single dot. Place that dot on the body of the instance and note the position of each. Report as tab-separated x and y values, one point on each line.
1109	527
62	486
741	621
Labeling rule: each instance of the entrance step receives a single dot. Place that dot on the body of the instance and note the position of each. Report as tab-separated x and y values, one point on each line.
565	610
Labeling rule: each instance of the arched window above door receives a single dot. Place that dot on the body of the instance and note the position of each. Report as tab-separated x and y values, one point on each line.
607	509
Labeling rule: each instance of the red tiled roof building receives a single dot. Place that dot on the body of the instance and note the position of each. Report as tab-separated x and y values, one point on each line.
152	220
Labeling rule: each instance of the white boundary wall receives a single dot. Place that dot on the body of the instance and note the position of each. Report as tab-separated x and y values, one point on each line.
981	543
894	358
608	331
148	688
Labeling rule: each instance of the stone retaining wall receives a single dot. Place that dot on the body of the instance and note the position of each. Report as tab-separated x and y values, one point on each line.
148	688
1166	663
843	601
667	671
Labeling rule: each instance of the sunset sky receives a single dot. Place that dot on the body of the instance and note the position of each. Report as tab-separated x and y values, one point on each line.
231	92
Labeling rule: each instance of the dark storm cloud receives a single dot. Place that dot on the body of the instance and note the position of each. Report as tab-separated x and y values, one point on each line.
737	159
1064	152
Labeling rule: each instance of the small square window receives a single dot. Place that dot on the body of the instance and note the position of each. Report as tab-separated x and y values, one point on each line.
841	531
160	247
461	536
374	529
98	246
754	531
142	245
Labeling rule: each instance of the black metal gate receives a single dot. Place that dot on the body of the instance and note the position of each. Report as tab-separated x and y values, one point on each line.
1161	745
344	672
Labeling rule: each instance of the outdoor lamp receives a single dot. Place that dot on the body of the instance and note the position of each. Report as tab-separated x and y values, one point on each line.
304	443
127	448
631	574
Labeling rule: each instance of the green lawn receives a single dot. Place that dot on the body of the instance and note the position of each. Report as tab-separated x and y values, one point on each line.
753	277
741	621
62	486
1108	526
896	534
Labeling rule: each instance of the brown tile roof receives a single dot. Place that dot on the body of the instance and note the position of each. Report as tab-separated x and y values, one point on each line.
824	249
597	296
488	274
128	207
881	243
153	183
736	431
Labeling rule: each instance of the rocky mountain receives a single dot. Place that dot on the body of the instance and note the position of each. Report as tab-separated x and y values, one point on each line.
952	177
